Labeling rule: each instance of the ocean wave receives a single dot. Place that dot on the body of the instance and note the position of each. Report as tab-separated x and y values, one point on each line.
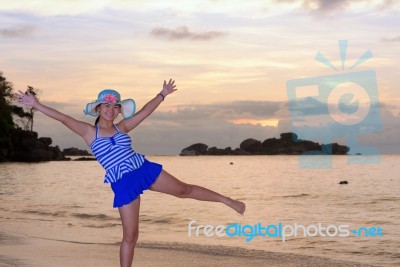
44	213
365	203
162	221
99	216
378	200
107	225
11	262
6	239
74	206
395	256
375	222
77	242
382	199
280	258
296	196
157	220
31	219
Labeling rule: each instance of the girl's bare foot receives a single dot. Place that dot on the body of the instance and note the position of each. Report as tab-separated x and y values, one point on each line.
237	205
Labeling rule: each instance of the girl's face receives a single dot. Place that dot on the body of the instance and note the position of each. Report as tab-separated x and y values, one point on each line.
109	111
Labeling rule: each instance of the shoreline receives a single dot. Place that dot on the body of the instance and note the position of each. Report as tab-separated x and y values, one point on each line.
36	251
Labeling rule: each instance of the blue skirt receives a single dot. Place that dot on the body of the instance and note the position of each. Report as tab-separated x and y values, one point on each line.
132	184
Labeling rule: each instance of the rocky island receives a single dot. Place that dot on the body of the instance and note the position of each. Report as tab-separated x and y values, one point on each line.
287	144
73	151
25	146
18	142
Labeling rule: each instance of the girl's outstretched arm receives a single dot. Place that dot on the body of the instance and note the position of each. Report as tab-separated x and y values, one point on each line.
81	128
129	124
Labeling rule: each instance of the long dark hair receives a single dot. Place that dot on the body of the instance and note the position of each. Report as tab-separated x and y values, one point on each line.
98	117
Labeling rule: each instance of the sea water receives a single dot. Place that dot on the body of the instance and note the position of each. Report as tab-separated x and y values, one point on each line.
68	201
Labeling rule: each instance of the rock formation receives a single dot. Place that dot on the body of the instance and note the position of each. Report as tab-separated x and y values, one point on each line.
287	144
25	146
73	151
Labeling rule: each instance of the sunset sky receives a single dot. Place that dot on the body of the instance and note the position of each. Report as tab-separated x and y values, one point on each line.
231	61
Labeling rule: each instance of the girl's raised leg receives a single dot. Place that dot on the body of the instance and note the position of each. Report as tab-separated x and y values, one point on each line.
130	223
166	183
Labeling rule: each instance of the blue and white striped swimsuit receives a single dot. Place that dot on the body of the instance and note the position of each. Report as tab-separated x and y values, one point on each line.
116	155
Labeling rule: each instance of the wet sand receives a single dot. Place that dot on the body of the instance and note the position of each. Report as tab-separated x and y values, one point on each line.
32	252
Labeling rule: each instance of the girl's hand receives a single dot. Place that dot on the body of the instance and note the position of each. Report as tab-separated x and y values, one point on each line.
26	98
168	88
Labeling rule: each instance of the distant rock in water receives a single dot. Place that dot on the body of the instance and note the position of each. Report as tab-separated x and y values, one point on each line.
287	144
343	182
25	146
196	149
72	151
86	159
251	145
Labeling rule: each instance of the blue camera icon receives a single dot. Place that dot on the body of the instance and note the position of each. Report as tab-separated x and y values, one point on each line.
328	108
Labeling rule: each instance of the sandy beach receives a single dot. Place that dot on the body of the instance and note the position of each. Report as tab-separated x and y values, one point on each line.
34	252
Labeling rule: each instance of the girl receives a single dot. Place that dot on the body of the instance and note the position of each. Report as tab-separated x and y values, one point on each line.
128	172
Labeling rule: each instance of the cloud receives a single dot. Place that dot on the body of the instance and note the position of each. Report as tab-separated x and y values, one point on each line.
326	5
391	40
331	6
319	5
223	112
183	32
210	124
18	31
200	124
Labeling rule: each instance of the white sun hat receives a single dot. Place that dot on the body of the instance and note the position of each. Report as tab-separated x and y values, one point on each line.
111	96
